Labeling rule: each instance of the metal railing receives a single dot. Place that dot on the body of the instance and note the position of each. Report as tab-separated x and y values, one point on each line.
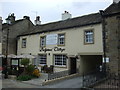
92	78
101	80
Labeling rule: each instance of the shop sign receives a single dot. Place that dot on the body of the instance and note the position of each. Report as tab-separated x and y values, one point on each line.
52	49
51	39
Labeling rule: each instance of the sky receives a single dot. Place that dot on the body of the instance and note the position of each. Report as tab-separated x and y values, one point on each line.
50	10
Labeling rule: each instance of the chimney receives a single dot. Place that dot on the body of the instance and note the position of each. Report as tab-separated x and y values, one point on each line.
26	17
11	17
66	15
116	1
37	21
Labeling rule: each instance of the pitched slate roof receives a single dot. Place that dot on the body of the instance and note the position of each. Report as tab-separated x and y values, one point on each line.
5	25
65	24
114	8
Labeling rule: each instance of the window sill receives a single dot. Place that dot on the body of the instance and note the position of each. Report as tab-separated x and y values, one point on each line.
59	66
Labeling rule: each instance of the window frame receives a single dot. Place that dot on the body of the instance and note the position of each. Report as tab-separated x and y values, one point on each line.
42	60
85	43
60	61
24	44
44	41
58	40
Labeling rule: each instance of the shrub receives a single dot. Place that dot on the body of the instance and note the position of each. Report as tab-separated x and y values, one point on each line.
30	69
25	61
24	77
36	73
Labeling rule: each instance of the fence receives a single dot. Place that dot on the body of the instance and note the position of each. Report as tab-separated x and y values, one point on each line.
91	78
101	80
57	74
112	81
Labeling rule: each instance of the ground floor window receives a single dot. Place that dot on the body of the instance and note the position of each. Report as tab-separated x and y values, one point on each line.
60	60
43	59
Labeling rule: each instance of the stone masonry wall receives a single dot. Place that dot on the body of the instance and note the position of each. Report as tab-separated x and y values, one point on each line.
14	30
112	42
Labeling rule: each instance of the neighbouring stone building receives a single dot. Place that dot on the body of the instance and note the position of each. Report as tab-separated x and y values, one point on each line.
14	29
111	16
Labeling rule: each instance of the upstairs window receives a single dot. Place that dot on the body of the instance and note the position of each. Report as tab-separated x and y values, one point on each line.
43	41
61	39
89	37
24	42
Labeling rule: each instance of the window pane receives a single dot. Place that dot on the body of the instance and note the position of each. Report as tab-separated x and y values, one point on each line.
60	59
61	39
42	41
24	43
89	36
42	59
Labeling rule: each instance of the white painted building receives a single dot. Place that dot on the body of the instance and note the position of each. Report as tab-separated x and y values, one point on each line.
73	44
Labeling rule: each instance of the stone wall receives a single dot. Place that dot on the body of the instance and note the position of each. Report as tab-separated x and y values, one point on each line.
16	29
112	42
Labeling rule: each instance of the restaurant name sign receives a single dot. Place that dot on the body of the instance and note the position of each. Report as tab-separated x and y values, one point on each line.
52	49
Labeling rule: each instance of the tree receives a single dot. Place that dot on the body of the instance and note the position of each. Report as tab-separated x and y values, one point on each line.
25	62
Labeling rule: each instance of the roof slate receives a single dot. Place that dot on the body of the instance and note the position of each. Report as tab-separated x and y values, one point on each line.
113	8
64	24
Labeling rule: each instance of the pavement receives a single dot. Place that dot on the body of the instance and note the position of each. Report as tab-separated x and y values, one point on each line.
75	82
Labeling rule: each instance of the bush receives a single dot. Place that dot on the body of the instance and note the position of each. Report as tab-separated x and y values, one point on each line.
36	73
25	61
24	77
30	69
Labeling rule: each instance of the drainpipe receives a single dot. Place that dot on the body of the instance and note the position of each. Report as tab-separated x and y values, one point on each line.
104	40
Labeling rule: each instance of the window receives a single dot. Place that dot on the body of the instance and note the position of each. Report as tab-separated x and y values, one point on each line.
89	38
42	59
43	41
61	39
60	60
24	43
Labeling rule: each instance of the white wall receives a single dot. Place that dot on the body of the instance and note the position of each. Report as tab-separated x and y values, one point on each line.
74	43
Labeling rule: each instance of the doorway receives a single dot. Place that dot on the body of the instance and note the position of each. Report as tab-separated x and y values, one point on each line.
73	67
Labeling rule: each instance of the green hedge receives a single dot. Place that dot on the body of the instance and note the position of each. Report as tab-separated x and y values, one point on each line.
24	77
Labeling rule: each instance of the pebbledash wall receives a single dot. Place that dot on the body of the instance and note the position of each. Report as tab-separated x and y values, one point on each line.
74	45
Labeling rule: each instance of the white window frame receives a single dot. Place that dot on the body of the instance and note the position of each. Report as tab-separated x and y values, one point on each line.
61	58
43	59
89	37
42	41
24	41
61	39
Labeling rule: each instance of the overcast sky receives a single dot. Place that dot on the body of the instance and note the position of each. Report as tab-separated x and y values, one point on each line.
50	10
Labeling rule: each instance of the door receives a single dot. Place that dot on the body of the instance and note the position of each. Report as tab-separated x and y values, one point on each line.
72	65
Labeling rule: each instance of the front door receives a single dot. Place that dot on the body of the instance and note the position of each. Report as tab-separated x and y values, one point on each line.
72	65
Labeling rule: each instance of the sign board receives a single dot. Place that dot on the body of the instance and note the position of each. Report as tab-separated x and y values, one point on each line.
51	39
14	62
106	59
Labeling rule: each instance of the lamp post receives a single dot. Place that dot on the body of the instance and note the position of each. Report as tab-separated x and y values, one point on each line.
7	37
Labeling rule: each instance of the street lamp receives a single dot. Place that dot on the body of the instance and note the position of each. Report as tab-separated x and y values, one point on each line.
8	21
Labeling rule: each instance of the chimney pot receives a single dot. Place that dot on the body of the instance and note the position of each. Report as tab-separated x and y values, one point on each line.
66	15
37	21
116	1
26	17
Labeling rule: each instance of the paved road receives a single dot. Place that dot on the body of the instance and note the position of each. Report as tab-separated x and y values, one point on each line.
69	83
